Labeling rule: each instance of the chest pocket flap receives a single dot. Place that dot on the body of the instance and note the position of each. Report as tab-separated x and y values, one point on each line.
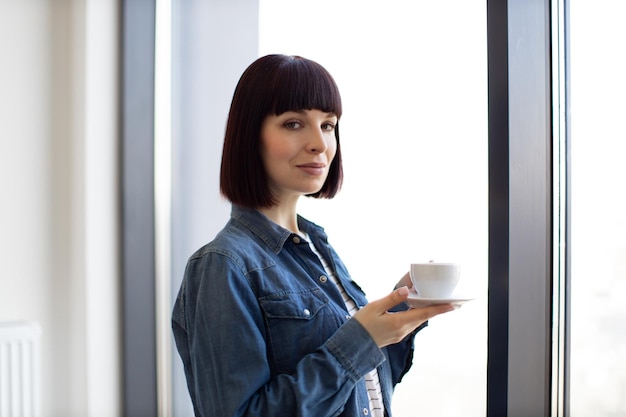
302	305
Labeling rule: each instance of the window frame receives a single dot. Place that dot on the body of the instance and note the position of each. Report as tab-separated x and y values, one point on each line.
521	278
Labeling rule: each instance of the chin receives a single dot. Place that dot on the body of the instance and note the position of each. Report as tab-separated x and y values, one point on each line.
311	188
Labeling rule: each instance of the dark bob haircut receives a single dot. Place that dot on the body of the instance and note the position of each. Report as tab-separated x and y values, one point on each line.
272	85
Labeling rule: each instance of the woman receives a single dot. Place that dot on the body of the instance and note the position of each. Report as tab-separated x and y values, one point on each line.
268	321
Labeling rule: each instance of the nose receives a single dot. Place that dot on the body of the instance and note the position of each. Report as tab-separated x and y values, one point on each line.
318	141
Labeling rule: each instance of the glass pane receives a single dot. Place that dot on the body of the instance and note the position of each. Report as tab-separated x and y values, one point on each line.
413	78
598	223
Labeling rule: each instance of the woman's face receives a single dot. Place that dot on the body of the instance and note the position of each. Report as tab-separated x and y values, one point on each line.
297	149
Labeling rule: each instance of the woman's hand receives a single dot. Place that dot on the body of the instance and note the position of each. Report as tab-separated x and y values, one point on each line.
389	328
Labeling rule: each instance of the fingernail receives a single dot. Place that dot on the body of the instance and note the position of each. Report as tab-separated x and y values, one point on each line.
403	290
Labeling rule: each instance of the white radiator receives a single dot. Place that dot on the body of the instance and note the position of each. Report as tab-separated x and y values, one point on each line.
20	374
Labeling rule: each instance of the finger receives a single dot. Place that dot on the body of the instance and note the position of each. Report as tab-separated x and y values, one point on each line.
426	313
391	300
407	321
437	309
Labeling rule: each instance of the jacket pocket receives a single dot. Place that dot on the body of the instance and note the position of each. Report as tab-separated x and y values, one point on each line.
297	324
293	305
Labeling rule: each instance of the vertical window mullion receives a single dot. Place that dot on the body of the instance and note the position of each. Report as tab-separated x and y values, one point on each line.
498	108
138	236
520	169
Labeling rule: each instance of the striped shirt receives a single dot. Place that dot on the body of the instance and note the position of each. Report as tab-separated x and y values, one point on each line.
372	382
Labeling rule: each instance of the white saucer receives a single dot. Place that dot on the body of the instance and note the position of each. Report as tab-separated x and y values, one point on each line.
416	301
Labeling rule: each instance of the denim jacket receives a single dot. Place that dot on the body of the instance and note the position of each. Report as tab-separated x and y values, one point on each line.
262	332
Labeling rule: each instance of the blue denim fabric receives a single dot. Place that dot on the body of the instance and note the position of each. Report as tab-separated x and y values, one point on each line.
262	332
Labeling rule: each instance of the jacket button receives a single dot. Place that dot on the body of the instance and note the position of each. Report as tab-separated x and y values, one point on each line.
366	411
323	279
306	312
296	239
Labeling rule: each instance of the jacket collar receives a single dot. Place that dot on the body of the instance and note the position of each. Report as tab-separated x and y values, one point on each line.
271	233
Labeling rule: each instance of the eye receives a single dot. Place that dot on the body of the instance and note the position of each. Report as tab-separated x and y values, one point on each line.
292	124
328	126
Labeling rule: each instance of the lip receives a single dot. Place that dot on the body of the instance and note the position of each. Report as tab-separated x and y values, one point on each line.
313	168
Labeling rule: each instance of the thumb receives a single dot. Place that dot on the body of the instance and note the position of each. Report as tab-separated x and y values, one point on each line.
396	297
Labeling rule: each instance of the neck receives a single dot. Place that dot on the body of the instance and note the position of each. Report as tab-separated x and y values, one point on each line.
284	215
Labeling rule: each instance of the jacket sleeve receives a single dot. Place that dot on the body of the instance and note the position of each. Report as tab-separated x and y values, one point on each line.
220	334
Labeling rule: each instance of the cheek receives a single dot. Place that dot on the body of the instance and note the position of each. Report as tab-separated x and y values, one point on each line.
284	152
277	150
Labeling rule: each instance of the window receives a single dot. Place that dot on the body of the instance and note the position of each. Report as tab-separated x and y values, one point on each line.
398	154
413	78
598	224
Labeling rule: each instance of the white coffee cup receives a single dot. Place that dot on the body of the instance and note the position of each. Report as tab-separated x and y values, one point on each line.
435	279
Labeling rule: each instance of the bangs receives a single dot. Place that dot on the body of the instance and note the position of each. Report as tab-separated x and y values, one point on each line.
301	84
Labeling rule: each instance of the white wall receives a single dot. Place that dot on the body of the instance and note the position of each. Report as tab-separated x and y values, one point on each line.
58	178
